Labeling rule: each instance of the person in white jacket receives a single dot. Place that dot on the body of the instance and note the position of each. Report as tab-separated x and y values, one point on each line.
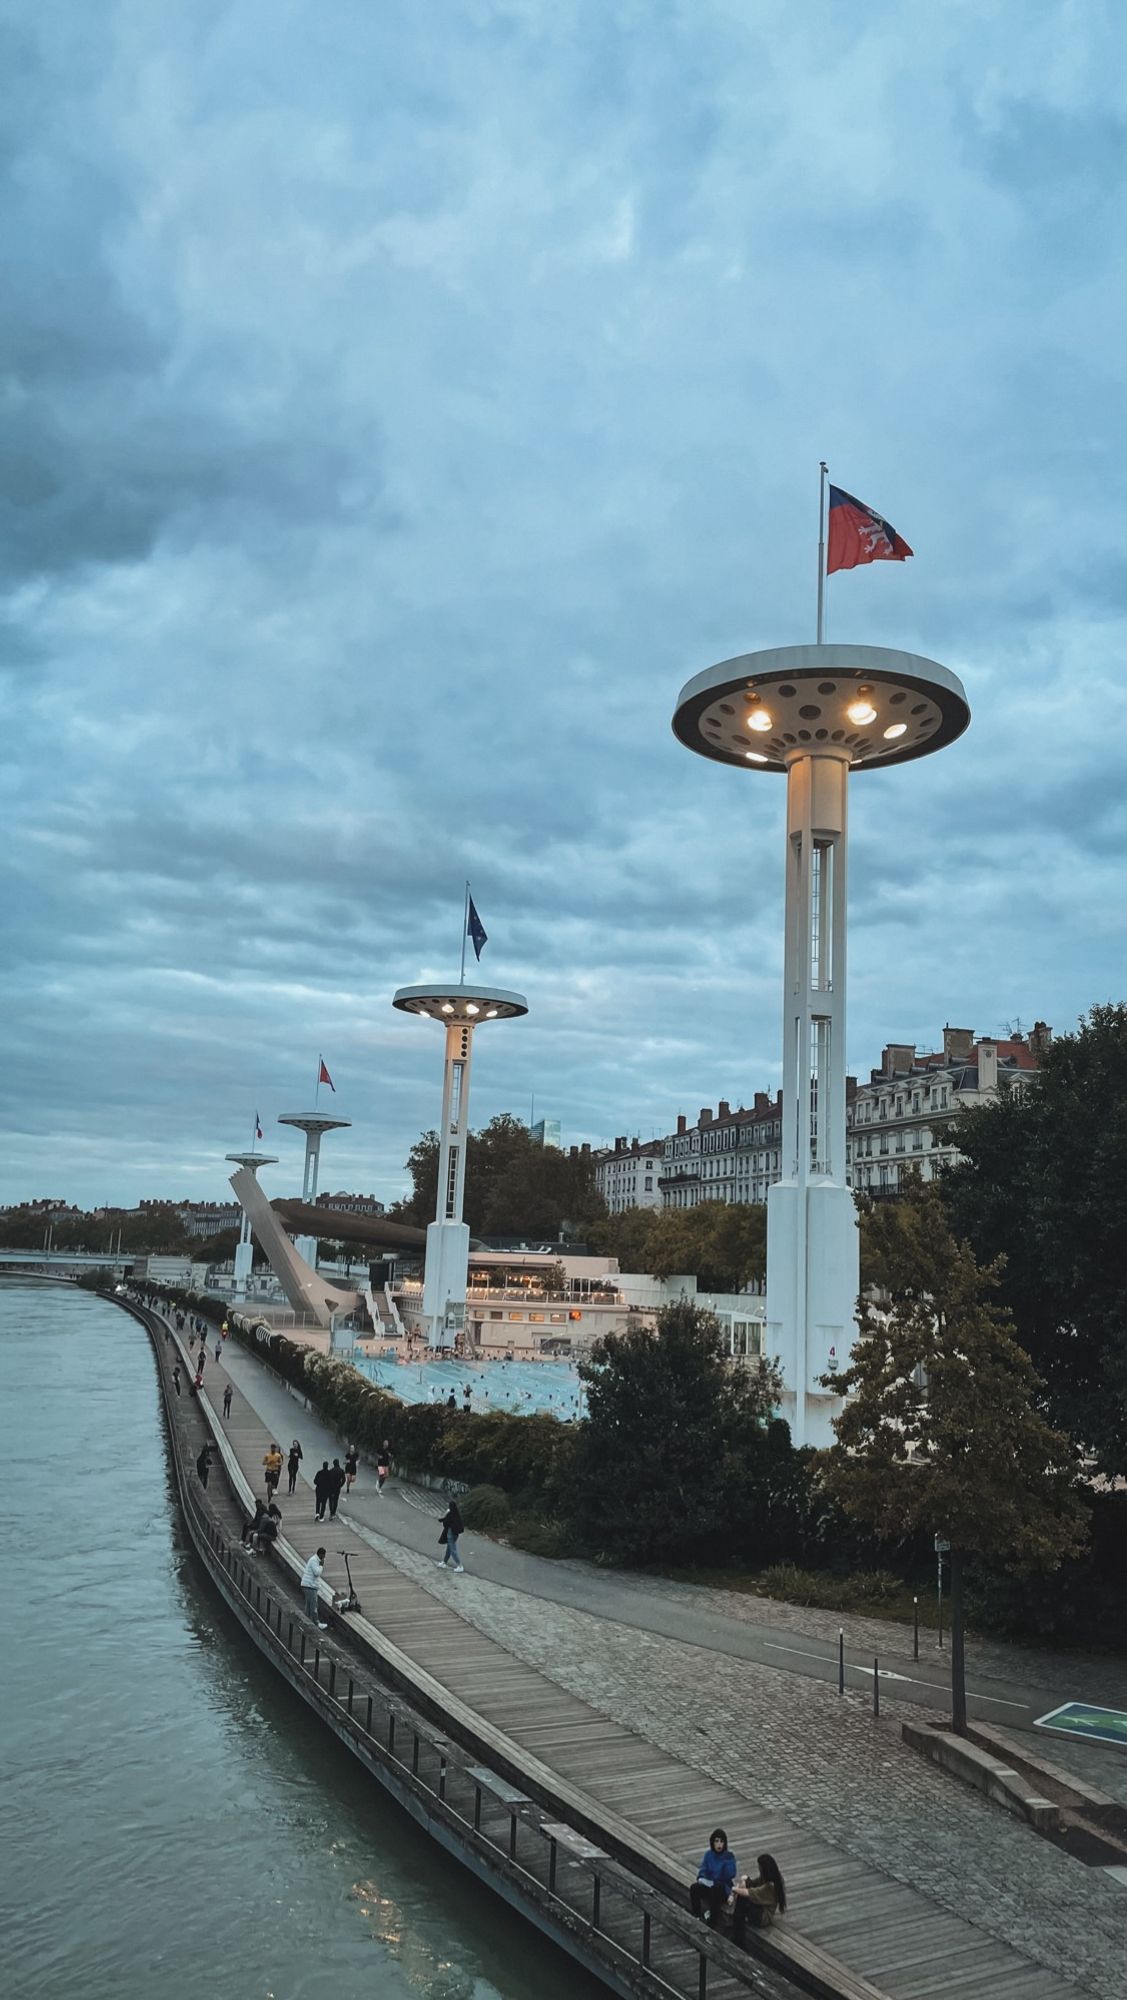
310	1578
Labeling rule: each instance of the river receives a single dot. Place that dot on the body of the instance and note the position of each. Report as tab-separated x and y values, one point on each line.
172	1822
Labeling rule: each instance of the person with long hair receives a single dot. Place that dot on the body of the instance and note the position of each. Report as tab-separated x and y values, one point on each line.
759	1898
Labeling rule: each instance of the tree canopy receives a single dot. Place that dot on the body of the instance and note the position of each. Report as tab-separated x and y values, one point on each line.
941	1430
514	1187
663	1466
1043	1182
723	1243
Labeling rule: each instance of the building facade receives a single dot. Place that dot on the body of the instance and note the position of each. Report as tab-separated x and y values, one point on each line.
350	1204
626	1175
900	1120
726	1156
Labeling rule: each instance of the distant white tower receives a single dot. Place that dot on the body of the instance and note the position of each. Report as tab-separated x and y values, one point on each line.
815	713
244	1249
461	1009
314	1124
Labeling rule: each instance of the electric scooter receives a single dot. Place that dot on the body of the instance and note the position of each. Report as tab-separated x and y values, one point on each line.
346	1600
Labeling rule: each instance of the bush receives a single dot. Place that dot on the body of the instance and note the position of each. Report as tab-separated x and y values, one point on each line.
488	1509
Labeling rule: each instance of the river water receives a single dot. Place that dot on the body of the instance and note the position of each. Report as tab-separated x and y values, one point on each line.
173	1825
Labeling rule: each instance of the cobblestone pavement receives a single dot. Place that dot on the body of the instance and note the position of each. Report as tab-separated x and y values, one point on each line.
795	1746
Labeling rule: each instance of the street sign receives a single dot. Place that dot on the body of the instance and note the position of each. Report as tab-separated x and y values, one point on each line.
941	1545
1083	1719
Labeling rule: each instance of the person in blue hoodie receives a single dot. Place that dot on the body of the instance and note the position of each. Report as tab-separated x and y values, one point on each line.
715	1876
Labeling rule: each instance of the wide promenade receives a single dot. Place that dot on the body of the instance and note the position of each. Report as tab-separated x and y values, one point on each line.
915	1885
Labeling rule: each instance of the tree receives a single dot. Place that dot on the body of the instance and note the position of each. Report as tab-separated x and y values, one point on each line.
723	1244
514	1187
663	1465
1043	1182
941	1431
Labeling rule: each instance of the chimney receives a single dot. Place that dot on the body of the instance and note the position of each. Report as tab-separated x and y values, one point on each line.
724	1109
705	1115
681	1123
762	1104
958	1044
1040	1040
620	1144
988	1069
897	1057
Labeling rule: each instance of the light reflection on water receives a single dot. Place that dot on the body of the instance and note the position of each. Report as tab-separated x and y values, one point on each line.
172	1821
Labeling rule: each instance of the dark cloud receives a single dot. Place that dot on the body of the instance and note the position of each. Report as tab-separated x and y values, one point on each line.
390	421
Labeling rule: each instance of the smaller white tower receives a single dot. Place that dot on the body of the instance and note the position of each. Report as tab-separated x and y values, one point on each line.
461	1009
314	1124
244	1250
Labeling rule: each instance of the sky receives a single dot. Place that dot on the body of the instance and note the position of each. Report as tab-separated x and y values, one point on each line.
398	405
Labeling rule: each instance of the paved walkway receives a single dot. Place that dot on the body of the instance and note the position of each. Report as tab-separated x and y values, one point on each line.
860	1825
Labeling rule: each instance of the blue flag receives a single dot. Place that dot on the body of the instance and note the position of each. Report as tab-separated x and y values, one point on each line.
475	930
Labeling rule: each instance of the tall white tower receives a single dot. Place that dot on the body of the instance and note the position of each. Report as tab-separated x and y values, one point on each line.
314	1124
244	1249
461	1009
816	713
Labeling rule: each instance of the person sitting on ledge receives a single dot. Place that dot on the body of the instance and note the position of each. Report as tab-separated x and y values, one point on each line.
715	1876
758	1899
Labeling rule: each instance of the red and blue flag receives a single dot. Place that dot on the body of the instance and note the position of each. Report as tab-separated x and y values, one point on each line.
857	535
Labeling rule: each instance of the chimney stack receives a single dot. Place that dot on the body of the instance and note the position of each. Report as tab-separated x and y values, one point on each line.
897	1057
681	1124
988	1069
724	1109
1040	1040
958	1044
705	1115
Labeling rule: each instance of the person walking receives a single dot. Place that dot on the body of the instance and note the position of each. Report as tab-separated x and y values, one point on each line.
203	1465
201	1359
176	1377
292	1463
272	1460
310	1578
336	1481
452	1526
383	1466
759	1898
227	1400
351	1459
715	1876
321	1488
218	1350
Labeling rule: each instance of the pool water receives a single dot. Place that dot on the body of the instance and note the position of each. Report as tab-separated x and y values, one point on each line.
524	1387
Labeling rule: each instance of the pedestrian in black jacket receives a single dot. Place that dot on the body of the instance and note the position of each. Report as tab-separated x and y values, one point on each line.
336	1481
452	1526
321	1483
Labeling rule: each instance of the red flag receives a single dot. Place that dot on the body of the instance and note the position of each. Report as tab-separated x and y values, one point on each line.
857	535
324	1077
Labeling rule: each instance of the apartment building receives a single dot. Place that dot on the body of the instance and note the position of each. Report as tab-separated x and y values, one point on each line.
626	1175
726	1156
900	1120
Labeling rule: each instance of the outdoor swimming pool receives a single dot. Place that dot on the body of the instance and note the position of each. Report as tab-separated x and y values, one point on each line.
527	1386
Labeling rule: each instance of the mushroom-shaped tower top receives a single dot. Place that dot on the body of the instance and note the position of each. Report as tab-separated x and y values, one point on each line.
474	1003
313	1121
253	1160
875	704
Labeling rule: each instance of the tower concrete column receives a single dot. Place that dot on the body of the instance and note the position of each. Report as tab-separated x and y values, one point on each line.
244	1249
461	1009
314	1124
816	713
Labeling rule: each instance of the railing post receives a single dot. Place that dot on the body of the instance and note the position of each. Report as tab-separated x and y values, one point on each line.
551	1864
702	1978
289	1638
915	1628
368	1724
645	1937
442	1777
415	1755
350	1694
512	1833
332	1676
876	1688
317	1665
477	1808
596	1901
841	1659
303	1649
391	1732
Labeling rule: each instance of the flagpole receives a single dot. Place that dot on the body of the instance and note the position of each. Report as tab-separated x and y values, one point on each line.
254	1134
465	932
317	1085
823	470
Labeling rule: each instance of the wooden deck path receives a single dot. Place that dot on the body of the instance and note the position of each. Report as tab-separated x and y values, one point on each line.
884	1931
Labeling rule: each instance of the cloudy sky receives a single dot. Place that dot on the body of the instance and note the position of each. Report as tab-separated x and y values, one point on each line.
398	403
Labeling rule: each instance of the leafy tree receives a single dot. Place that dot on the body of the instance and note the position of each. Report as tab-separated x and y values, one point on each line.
1044	1183
724	1244
941	1431
514	1187
663	1466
